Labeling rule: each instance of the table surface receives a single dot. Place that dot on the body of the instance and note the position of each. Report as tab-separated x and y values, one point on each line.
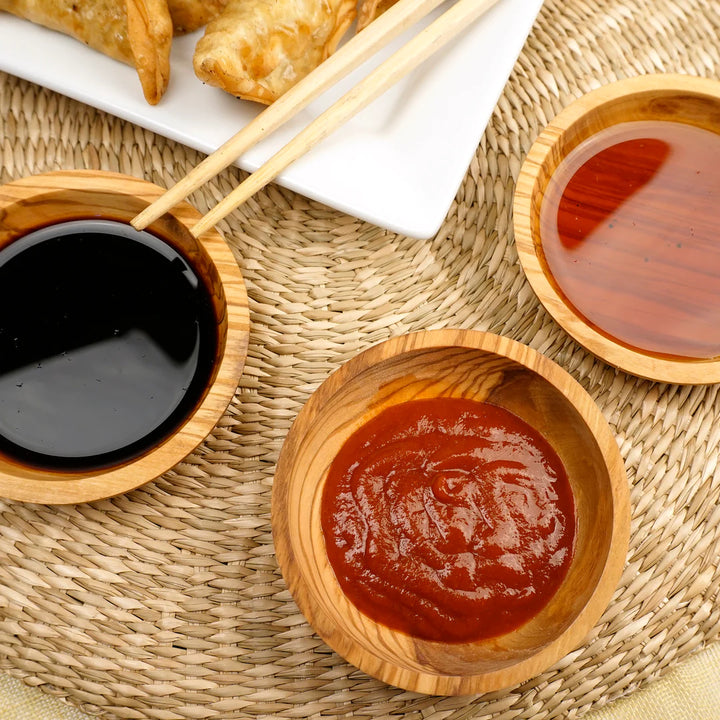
689	691
167	603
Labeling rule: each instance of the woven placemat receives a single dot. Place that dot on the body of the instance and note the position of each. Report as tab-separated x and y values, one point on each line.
167	603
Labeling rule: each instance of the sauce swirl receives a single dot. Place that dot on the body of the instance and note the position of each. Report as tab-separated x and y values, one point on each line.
448	519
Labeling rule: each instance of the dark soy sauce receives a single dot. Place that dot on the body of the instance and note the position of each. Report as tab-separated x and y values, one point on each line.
630	226
107	343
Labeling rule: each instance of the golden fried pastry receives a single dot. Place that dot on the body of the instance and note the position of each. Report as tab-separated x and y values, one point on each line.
370	9
257	49
136	32
189	15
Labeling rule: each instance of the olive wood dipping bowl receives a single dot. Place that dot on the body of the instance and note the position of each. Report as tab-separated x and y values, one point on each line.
476	366
34	202
690	100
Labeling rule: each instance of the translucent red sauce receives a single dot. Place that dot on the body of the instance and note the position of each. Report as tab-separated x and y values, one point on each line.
629	226
448	519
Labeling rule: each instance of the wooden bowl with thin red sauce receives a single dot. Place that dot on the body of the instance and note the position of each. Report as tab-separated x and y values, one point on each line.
616	212
451	512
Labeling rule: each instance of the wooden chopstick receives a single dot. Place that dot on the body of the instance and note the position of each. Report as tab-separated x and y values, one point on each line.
417	50
394	21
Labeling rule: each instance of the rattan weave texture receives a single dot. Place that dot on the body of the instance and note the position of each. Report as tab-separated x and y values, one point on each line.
167	603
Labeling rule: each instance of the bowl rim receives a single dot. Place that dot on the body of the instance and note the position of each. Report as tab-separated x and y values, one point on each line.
433	682
527	201
26	484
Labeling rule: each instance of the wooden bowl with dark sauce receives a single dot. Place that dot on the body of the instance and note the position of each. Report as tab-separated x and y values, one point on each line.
616	212
119	349
423	513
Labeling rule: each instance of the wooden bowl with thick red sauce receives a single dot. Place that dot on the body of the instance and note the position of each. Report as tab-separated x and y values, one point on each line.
451	512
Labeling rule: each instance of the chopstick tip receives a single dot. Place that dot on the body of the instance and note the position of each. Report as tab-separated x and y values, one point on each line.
139	222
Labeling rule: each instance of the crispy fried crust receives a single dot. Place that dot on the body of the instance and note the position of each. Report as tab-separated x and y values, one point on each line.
150	35
136	32
189	15
257	49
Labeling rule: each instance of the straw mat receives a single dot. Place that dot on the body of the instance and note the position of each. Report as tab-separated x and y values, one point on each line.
167	603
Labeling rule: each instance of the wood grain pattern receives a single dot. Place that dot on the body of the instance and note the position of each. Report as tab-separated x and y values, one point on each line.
679	98
482	367
42	200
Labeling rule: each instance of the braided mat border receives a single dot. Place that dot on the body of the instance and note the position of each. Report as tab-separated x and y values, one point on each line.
167	604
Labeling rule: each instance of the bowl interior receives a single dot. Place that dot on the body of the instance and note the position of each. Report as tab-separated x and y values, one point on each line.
674	101
564	415
678	99
61	205
33	203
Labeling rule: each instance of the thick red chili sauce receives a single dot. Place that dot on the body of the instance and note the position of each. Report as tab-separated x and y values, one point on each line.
448	519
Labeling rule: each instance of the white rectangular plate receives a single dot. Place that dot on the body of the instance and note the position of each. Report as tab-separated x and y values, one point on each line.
397	164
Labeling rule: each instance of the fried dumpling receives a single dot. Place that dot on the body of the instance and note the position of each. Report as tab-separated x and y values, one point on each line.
368	10
257	49
189	15
136	32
